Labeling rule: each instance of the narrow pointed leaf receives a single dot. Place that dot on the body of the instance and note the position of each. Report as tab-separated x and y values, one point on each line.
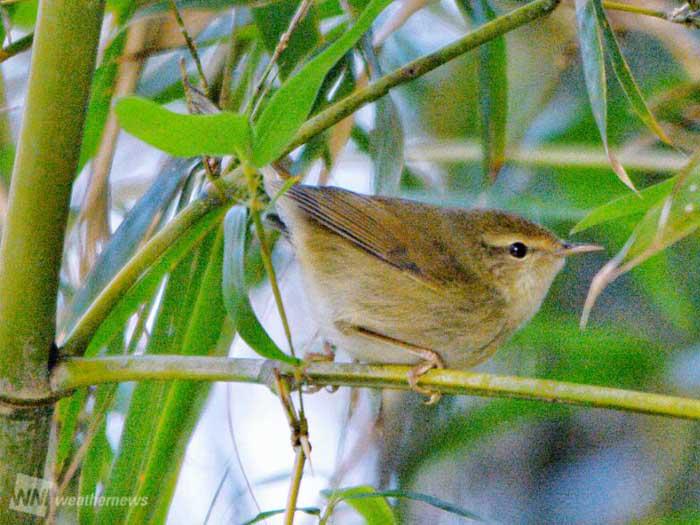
130	234
672	218
493	89
386	144
235	292
290	105
183	135
591	44
273	20
629	204
367	502
624	75
667	222
312	511
184	400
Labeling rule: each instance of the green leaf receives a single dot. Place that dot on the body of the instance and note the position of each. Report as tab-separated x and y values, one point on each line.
97	459
202	323
417	496
672	219
629	204
591	44
103	84
143	290
493	89
130	235
235	292
184	135
290	105
312	511
386	144
624	75
273	20
148	400
366	501
67	411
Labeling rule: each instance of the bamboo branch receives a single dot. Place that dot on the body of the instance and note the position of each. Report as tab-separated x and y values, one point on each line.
421	66
79	372
16	47
549	155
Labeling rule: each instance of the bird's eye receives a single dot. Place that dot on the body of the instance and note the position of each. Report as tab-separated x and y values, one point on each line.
518	250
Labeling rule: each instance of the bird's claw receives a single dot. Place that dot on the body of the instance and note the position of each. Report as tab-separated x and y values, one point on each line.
420	369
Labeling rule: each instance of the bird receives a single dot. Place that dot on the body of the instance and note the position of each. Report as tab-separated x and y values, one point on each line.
396	281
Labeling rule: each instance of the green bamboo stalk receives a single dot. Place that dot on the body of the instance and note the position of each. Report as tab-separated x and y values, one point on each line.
79	372
65	46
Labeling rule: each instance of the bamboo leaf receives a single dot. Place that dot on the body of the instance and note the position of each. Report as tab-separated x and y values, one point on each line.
130	234
493	89
591	44
183	135
235	292
201	329
386	144
417	496
673	218
148	400
273	20
624	75
147	285
667	222
367	502
290	105
626	205
312	511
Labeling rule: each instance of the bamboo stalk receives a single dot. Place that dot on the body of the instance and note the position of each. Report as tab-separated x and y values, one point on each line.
63	60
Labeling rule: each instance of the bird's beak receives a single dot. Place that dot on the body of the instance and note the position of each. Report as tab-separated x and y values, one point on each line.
574	249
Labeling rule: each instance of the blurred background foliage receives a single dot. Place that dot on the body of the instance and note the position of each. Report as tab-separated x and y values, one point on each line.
509	125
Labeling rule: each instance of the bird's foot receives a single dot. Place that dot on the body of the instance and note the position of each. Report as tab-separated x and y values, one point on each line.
431	360
326	356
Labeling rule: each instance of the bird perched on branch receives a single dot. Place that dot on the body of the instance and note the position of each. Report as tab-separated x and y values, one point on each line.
402	282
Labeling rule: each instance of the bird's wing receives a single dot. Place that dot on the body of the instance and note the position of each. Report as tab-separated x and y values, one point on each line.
402	233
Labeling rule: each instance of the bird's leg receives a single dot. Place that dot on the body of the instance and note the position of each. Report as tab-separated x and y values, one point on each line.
430	358
328	353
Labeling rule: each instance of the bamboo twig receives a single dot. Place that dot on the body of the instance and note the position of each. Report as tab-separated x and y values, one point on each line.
16	47
191	46
74	373
419	67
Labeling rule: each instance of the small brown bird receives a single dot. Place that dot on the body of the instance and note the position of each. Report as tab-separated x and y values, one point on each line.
398	281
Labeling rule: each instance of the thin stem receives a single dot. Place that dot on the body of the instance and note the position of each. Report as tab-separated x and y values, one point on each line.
551	156
294	485
636	9
266	253
419	67
231	58
78	372
77	340
16	47
279	49
191	46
